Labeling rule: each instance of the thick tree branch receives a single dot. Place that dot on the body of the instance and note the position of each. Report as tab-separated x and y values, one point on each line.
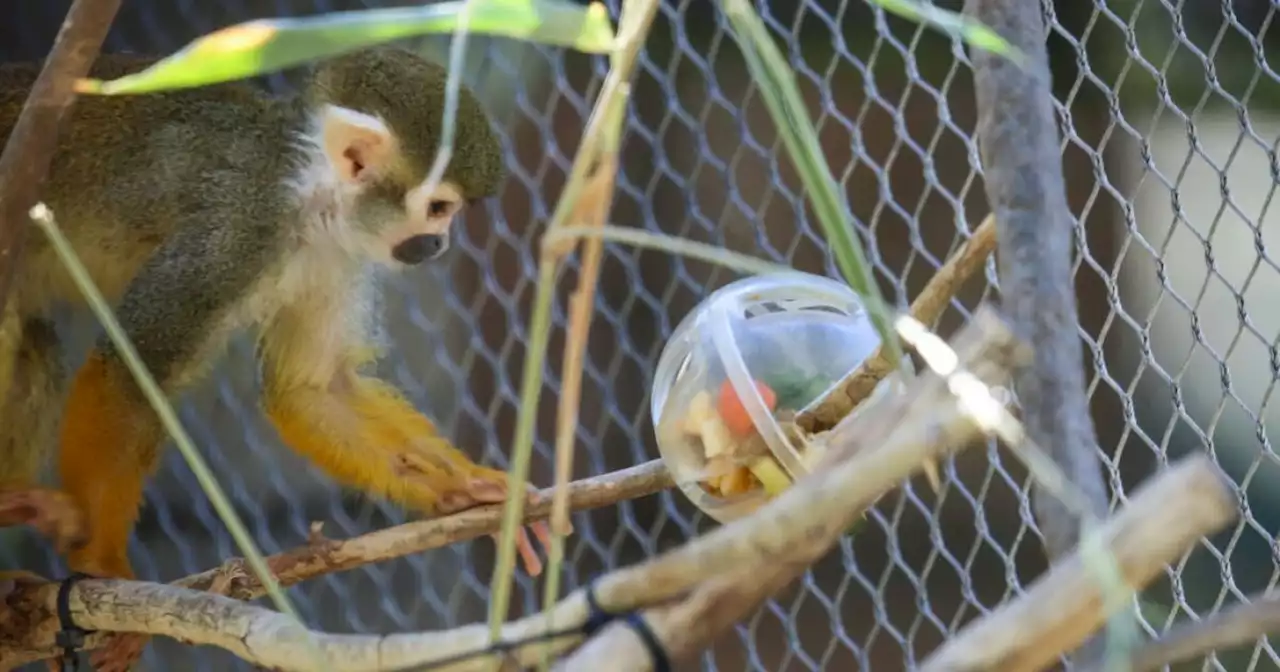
27	627
31	144
879	449
1018	135
1162	521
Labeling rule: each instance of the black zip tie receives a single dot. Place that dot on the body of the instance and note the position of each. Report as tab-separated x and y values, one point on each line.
598	617
659	655
71	637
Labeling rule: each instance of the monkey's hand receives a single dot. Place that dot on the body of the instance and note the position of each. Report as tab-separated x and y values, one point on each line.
52	513
484	486
365	434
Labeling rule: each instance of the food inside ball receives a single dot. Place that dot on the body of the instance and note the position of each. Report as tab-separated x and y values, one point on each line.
737	458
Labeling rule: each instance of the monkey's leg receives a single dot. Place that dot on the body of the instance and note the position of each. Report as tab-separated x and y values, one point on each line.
110	446
30	406
171	311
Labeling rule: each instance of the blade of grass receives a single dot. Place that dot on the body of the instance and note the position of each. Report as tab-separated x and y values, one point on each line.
953	23
782	97
743	263
452	87
267	45
43	217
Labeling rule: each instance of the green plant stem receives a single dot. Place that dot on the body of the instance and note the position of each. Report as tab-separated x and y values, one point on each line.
743	263
43	218
603	131
518	472
778	89
452	85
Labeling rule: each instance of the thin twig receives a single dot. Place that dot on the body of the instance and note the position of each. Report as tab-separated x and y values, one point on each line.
1240	625
675	245
1162	521
33	140
825	413
594	207
326	556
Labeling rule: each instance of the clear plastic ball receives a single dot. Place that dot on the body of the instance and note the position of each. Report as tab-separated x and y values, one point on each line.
734	372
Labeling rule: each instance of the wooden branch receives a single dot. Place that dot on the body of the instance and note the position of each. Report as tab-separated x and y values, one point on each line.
828	411
1239	625
29	634
744	562
325	556
790	532
34	138
1163	520
1020	146
274	641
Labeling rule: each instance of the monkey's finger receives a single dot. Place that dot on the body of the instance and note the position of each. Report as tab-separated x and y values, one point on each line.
528	556
543	532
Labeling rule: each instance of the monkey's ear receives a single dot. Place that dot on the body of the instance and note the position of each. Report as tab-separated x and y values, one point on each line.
356	144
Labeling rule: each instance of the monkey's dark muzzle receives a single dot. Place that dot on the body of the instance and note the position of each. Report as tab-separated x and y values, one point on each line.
418	249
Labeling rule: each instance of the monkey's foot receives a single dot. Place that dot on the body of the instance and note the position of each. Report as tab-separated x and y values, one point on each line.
489	486
50	512
119	653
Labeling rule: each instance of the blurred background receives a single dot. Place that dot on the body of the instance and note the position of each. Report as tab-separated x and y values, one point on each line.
1168	113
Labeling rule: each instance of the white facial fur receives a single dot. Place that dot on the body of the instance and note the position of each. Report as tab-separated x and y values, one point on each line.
356	147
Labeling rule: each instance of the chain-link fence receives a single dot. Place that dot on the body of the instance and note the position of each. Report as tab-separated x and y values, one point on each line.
1170	114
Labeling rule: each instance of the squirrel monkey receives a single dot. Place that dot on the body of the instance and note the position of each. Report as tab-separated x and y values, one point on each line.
204	211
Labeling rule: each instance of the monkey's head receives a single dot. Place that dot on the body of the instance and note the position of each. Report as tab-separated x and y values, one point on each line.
381	114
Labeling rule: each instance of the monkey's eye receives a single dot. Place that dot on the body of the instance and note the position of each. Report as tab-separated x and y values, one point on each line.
438	208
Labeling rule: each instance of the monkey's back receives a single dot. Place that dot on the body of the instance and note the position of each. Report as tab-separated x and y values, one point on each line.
129	169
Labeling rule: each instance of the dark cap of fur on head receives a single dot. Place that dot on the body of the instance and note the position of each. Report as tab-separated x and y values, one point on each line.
408	93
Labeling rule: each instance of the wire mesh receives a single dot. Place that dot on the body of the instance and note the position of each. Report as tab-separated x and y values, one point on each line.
1168	112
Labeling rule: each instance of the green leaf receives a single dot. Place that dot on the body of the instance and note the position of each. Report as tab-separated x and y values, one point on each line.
782	97
953	23
259	47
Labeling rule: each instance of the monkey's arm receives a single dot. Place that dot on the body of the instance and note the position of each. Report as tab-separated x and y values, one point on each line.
360	430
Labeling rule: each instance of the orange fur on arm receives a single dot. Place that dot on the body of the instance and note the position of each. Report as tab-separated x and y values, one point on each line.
366	435
109	446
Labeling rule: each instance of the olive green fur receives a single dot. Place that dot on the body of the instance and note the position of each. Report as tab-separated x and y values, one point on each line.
176	202
407	92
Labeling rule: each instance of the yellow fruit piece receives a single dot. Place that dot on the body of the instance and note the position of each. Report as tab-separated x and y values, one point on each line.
770	475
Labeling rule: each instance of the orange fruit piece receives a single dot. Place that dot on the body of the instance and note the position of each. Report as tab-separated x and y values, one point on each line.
734	414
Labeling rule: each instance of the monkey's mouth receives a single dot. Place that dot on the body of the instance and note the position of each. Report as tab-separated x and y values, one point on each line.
420	248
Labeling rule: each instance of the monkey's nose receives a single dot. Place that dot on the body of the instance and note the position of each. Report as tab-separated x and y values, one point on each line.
418	249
